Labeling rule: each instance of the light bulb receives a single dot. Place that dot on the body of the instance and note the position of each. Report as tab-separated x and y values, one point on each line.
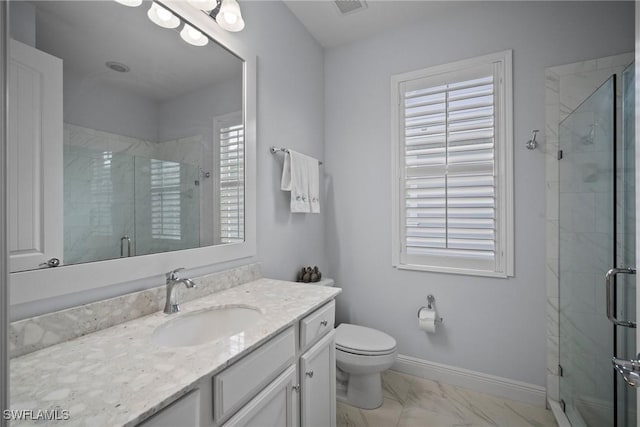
207	5
193	36
230	17
130	3
162	17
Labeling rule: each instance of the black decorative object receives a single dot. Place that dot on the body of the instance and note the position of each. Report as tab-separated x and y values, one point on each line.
309	275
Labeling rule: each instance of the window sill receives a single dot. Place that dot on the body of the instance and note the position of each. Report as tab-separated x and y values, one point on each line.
451	270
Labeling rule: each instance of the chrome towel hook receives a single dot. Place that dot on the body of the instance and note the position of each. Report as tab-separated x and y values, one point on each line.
532	143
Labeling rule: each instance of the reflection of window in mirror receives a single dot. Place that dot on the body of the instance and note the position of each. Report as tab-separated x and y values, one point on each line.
229	140
165	200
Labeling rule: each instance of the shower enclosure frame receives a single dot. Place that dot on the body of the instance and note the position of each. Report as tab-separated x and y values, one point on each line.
566	87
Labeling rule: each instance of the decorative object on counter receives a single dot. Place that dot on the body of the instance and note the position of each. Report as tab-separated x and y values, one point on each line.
309	275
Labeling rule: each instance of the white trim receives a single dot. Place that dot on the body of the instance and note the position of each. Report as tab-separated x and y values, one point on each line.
505	238
4	254
477	381
451	270
40	284
559	415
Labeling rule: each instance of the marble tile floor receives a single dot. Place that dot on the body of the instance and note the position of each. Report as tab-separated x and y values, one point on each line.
415	402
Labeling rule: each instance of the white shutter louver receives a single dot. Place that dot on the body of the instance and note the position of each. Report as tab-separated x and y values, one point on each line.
448	196
165	200
231	166
449	156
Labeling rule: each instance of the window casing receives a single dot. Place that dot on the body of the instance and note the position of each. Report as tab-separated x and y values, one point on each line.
452	164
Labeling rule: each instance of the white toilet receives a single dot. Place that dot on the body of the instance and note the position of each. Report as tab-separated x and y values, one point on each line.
362	354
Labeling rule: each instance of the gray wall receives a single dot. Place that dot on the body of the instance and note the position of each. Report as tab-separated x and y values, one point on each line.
192	113
290	112
495	326
95	104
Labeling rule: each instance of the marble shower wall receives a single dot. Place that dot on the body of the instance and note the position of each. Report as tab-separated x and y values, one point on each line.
567	86
99	171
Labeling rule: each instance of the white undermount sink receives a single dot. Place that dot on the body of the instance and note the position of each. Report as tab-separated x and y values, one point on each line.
205	326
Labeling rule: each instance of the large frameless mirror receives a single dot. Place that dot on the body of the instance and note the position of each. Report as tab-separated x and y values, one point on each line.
126	134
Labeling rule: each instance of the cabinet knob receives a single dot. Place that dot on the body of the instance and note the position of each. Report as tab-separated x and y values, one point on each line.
310	374
296	388
324	323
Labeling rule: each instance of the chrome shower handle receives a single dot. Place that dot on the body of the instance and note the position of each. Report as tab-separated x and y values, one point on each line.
610	297
628	369
122	240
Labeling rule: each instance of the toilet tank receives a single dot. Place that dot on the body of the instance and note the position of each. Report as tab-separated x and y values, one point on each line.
324	282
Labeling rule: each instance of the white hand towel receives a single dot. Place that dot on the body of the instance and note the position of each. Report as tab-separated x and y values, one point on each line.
299	173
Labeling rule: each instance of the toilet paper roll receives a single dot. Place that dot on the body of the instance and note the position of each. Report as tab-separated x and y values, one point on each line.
427	320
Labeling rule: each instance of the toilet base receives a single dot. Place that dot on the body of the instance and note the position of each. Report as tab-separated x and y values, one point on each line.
365	391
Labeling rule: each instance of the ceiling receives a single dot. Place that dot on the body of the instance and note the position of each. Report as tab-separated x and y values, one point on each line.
330	28
86	34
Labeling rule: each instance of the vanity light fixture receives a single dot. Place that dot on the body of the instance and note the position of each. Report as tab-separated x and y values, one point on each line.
193	36
229	16
206	5
162	17
130	3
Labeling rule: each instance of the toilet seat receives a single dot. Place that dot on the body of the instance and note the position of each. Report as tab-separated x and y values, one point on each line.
363	341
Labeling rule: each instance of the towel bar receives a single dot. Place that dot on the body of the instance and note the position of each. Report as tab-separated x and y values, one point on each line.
275	150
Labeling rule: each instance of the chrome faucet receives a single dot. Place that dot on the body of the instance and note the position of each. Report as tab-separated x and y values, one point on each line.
171	305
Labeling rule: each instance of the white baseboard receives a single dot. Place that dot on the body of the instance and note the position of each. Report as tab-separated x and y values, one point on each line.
476	381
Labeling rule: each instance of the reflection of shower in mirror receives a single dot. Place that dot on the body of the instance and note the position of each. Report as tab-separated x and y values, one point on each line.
590	137
590	172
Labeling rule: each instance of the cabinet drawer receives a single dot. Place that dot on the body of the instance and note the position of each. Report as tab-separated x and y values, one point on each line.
241	381
317	324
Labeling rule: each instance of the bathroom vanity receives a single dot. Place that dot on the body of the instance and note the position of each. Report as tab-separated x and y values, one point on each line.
280	371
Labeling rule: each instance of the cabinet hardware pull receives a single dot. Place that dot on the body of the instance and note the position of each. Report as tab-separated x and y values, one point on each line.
324	323
310	374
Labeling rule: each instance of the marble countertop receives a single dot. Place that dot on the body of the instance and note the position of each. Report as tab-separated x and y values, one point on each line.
117	376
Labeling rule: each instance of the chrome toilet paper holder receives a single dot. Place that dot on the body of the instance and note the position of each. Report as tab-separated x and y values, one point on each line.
431	301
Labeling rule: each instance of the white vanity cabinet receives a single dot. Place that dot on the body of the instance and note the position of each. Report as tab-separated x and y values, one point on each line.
318	384
289	381
275	406
317	367
184	412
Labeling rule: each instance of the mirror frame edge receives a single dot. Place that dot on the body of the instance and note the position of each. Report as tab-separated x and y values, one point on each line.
4	256
29	286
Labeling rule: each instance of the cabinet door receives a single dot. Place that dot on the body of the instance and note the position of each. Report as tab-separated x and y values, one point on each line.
184	413
34	172
275	406
318	384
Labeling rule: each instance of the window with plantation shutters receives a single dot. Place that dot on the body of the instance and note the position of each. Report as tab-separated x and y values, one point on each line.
165	200
452	161
231	178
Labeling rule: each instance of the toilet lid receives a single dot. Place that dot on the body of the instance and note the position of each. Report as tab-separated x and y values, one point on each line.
363	340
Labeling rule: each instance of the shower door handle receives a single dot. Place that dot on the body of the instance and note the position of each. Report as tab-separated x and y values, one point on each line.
628	369
123	239
611	297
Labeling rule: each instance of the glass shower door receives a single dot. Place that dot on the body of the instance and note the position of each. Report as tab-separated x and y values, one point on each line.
587	252
626	247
